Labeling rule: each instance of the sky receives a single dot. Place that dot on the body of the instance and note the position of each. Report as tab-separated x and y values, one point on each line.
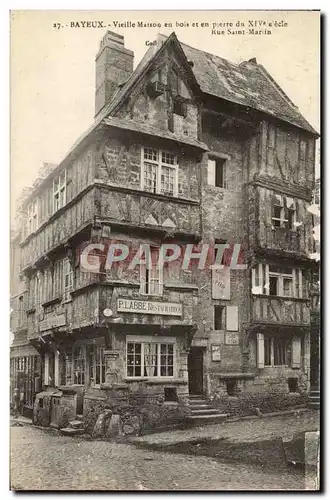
53	69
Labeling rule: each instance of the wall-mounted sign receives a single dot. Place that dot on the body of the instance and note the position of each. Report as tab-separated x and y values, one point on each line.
148	307
107	312
221	283
232	318
52	321
231	338
216	352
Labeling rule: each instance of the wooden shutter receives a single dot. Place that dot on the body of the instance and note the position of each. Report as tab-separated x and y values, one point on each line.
232	318
211	172
260	350
296	352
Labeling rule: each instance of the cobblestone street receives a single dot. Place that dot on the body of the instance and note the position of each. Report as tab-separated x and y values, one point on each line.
42	460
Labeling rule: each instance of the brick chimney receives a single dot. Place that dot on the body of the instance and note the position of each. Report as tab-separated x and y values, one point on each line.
114	65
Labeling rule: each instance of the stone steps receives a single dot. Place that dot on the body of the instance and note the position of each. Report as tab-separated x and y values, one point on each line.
202	413
206	419
314	399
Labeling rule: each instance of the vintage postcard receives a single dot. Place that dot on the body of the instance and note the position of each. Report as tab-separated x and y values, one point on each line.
165	250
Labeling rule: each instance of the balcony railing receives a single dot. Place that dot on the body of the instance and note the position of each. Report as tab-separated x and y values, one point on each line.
281	310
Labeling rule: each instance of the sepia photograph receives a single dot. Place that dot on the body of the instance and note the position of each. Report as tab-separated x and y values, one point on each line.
165	188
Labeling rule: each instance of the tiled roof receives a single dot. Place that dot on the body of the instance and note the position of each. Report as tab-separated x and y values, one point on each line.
247	83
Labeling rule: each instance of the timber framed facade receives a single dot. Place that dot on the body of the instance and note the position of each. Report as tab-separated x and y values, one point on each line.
170	159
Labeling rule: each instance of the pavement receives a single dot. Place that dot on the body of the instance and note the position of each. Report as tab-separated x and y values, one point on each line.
40	459
246	430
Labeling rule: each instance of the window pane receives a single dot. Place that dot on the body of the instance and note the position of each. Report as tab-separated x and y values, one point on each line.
167	181
150	177
168	158
150	154
287	287
267	344
273	285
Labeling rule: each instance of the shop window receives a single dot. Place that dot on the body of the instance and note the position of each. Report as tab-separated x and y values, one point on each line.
150	359
219	317
79	365
293	384
170	394
277	351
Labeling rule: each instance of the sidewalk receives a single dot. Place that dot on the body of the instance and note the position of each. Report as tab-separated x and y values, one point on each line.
247	431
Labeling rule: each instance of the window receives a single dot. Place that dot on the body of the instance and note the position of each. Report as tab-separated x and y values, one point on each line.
79	360
273	285
219	317
159	172
68	279
179	108
95	356
217	172
170	394
150	359
33	217
58	279
293	384
283	212
277	280
231	386
281	281
59	191
278	217
277	351
151	273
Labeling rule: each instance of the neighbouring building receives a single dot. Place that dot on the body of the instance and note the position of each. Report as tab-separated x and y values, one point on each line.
189	149
25	362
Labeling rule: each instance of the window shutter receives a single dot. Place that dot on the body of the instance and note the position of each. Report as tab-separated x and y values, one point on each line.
232	318
260	350
211	172
224	174
296	352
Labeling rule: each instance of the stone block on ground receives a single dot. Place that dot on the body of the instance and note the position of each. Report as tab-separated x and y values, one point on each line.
114	429
100	426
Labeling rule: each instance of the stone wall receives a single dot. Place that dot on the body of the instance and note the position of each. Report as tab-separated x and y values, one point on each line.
140	411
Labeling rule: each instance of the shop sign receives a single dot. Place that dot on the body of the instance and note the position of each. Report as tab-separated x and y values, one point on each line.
148	307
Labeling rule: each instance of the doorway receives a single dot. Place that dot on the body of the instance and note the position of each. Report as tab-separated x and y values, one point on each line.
195	370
